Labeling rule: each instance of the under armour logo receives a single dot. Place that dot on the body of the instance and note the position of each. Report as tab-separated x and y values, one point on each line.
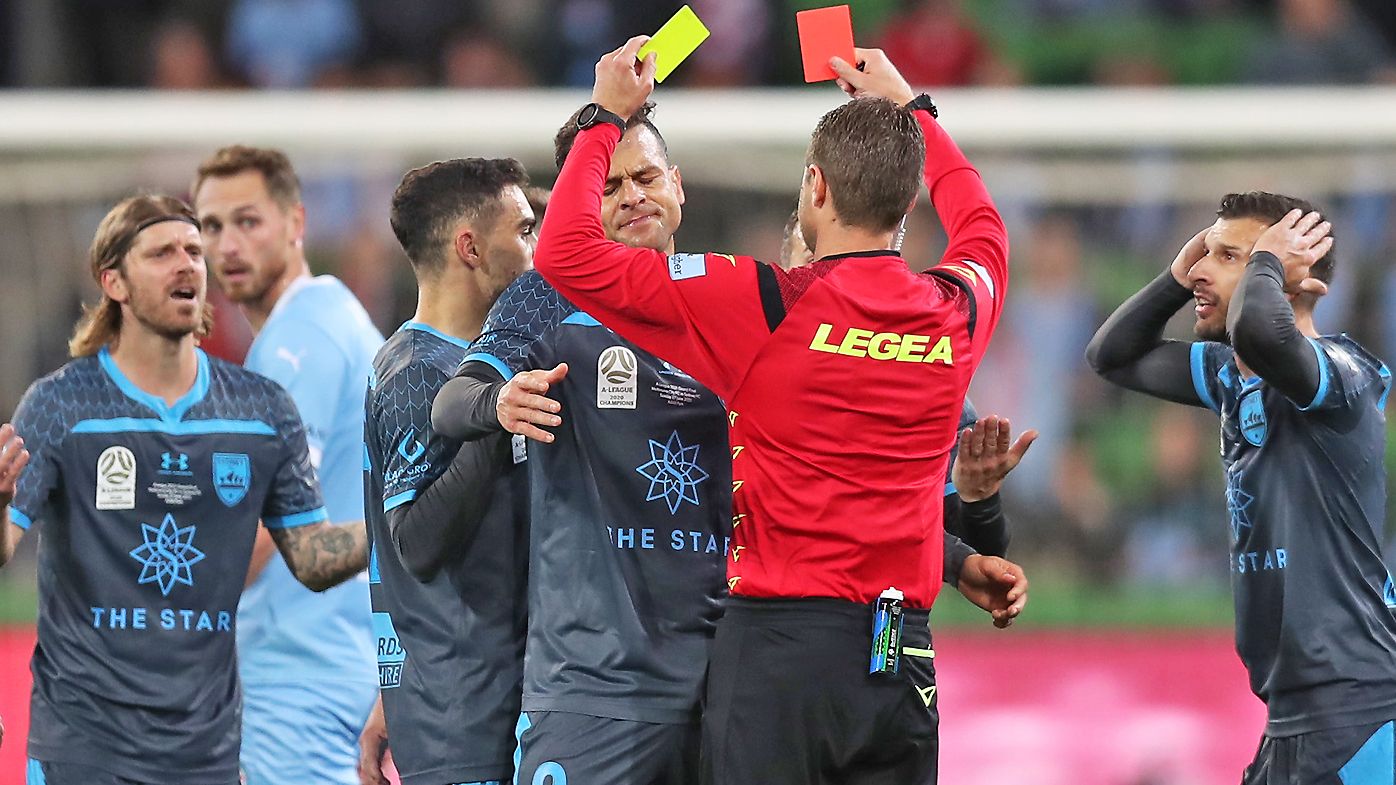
169	463
282	353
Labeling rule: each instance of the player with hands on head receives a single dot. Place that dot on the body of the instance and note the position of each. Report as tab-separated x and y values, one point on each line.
1303	437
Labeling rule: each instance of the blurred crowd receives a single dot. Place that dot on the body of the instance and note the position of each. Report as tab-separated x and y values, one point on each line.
204	44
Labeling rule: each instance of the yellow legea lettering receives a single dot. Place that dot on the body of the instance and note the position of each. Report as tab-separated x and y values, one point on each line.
913	348
883	346
821	340
908	348
855	342
941	352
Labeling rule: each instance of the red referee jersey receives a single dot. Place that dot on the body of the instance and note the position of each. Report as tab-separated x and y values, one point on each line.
843	380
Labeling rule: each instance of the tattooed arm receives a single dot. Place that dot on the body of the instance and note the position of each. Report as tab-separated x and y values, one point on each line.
323	555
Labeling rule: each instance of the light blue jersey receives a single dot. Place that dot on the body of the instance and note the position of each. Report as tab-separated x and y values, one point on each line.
307	659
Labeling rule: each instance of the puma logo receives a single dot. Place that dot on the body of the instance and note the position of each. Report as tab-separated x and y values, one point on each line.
282	353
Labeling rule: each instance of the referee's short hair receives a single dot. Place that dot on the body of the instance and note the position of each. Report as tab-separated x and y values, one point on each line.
873	154
431	199
1270	208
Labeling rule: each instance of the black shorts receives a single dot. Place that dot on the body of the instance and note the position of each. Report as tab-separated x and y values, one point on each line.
557	748
45	773
1359	755
789	698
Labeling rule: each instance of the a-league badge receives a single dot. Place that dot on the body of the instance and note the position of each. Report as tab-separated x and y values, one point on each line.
232	476
1252	414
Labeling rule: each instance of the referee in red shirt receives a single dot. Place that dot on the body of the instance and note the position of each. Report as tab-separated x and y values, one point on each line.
844	382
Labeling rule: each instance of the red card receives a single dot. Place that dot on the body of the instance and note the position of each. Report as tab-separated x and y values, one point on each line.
824	33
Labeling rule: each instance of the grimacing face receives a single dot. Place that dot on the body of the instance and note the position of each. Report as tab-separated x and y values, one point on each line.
251	240
162	282
642	200
506	248
1214	277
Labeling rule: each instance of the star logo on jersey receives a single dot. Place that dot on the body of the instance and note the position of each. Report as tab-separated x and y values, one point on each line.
673	472
167	555
1237	504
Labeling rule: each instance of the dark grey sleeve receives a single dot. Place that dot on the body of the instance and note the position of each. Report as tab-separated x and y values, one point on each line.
1264	335
982	525
956	551
464	406
439	525
1129	349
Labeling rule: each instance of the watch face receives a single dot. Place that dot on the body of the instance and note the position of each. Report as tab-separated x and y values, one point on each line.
588	115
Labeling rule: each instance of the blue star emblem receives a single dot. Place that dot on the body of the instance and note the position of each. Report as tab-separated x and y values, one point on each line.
673	472
167	554
1237	501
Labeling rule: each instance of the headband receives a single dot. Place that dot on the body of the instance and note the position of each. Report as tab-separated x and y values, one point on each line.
141	227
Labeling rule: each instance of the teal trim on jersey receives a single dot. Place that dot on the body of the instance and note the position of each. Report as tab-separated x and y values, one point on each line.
297	519
34	773
20	519
491	361
174	427
950	489
1385	374
397	500
583	318
154	403
519	730
1322	390
367	465
1373	764
1198	355
426	328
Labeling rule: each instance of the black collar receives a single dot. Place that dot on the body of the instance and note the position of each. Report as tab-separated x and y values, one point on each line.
857	254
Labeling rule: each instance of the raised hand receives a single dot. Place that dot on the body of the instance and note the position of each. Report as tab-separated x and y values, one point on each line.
13	458
1298	240
996	585
986	457
623	85
878	77
523	404
1190	254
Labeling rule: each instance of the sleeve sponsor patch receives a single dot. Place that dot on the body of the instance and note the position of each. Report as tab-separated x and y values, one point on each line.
683	266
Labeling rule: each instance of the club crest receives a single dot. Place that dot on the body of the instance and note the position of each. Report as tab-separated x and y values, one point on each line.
1252	416
232	476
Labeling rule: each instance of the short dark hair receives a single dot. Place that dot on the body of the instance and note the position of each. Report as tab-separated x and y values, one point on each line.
280	178
872	154
567	134
430	199
538	198
1270	208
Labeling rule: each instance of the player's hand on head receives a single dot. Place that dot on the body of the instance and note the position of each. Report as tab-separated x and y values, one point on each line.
523	406
373	747
1297	240
985	457
1190	254
877	77
996	585
13	459
623	84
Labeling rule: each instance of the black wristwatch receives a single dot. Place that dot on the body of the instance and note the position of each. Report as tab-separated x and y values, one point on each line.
923	101
592	114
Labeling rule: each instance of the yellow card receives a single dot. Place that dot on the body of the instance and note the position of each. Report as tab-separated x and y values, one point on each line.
674	42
